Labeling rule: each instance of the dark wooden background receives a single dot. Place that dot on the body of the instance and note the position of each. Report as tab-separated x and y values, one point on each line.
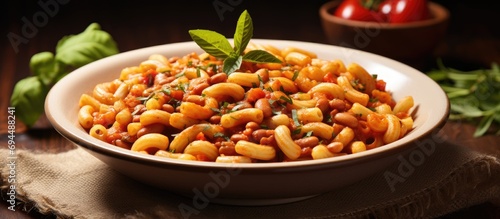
472	41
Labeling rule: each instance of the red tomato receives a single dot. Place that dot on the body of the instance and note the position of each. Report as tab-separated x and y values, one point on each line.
404	11
201	136
354	10
254	94
330	77
385	8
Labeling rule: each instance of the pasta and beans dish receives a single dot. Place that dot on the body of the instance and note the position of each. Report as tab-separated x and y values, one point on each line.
301	109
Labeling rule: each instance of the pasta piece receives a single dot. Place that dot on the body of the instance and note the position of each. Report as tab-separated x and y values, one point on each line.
404	105
189	134
151	141
202	148
332	90
308	115
319	129
99	131
285	143
320	152
244	79
393	129
155	116
241	117
182	121
220	90
345	136
255	151
180	156
85	117
233	159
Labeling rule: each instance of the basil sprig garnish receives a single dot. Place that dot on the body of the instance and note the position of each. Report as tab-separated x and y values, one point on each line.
218	45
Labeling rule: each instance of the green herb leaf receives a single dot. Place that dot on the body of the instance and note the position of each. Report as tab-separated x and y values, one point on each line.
295	118
472	94
212	42
45	66
231	64
72	51
243	32
260	56
218	46
483	125
28	97
295	75
86	47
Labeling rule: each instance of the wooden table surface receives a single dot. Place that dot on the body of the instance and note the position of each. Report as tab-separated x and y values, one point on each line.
472	41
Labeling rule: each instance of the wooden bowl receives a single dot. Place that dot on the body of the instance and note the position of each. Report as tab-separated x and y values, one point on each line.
411	43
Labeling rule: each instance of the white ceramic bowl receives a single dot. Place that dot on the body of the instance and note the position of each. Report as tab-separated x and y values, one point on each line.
259	183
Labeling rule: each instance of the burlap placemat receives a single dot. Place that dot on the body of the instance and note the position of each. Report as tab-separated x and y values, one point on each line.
421	184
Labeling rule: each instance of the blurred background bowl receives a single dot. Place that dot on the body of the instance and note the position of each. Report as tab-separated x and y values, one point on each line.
412	43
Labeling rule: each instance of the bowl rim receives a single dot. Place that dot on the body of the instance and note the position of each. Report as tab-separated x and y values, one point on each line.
441	15
97	146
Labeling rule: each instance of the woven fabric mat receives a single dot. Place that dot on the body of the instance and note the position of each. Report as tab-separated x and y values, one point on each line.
427	182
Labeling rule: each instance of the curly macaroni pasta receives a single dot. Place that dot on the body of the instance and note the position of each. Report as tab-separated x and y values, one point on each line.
187	108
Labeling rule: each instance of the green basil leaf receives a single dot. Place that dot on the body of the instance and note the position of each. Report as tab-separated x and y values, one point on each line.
28	97
483	125
467	106
86	47
231	64
243	32
260	56
45	67
437	75
212	42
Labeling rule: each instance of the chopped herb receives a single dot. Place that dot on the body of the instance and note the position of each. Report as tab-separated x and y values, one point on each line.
334	135
261	82
282	89
180	74
183	87
206	128
296	131
295	118
221	135
198	73
144	99
235	108
166	91
136	111
295	75
215	110
275	112
308	134
287	99
270	89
